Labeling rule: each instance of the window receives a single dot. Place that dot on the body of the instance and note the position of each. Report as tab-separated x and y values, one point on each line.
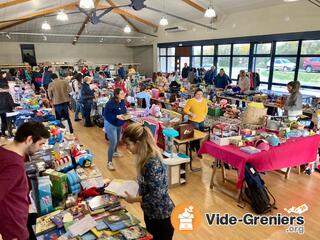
283	69
163	64
262	48
163	51
309	71
208	50
224	49
223	62
239	63
207	62
171	64
287	48
260	65
241	49
310	47
196	50
196	62
171	51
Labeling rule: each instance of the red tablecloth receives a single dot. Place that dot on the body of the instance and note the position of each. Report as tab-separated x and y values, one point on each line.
294	152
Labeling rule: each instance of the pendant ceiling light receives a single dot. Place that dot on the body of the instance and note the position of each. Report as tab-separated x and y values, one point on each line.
210	12
62	16
163	21
127	29
45	26
86	4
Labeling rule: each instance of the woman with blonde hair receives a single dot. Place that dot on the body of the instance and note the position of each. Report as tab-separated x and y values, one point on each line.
293	106
153	196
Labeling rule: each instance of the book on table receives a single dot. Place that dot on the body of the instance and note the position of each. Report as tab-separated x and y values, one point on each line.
122	223
119	187
103	201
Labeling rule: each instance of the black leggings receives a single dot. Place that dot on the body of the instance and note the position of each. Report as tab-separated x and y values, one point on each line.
161	229
4	124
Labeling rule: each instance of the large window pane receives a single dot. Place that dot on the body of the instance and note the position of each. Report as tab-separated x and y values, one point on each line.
262	48
196	50
290	47
310	47
224	49
239	63
260	65
224	62
163	64
171	51
171	64
196	62
283	69
309	71
208	50
163	51
263	86
207	62
241	49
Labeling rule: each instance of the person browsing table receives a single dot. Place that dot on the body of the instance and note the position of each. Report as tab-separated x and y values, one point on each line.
113	121
197	109
153	196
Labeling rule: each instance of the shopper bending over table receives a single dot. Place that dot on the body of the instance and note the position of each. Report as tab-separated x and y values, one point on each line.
222	80
113	121
293	106
13	180
153	196
197	109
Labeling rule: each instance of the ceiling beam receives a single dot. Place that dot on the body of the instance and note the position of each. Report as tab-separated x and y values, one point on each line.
41	13
96	2
195	5
12	3
125	14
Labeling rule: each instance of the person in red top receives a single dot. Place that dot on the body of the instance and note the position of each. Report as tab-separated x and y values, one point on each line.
119	83
13	180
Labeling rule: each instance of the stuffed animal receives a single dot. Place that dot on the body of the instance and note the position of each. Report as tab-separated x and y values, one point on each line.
273	140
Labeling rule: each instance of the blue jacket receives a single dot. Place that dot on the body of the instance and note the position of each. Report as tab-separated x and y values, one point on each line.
47	78
122	72
210	76
86	94
112	109
222	82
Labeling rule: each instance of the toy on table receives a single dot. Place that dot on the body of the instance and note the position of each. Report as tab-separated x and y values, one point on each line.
82	157
169	134
262	145
231	111
273	140
155	110
73	181
56	135
62	161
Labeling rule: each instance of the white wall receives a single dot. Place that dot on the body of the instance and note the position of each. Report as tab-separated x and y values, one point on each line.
285	18
144	55
59	52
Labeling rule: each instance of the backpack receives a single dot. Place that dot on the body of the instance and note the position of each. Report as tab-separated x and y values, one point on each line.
257	192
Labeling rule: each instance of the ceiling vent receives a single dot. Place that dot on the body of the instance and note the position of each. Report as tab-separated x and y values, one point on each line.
176	29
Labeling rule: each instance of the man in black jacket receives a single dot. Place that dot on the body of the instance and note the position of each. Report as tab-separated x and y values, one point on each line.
185	71
6	105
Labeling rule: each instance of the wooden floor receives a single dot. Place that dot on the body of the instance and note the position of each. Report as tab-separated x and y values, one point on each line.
295	191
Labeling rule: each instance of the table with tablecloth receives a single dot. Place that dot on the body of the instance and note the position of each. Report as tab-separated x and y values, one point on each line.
293	152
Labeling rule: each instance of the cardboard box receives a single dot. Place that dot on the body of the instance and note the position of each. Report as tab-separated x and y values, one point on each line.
59	183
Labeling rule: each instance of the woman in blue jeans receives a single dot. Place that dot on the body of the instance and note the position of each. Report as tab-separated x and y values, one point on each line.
113	121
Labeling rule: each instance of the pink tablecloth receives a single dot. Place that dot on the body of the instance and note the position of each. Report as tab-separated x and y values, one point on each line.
294	152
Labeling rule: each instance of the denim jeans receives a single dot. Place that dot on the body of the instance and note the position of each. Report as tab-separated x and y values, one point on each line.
113	134
78	110
62	112
86	110
195	145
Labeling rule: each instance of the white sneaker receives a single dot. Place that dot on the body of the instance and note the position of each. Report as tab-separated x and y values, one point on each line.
110	166
117	154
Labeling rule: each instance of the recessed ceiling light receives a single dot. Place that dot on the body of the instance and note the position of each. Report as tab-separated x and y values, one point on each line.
210	12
